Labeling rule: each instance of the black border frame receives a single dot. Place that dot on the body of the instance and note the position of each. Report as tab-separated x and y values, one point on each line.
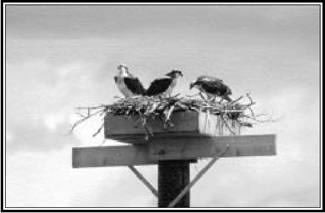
123	209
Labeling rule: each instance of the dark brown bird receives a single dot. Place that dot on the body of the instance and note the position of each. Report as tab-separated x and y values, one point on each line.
164	86
212	87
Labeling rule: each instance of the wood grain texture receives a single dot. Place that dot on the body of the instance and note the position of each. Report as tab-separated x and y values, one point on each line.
173	177
215	126
122	125
205	146
110	156
176	149
186	124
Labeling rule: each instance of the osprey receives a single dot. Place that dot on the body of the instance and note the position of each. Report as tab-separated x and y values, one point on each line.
212	87
164	86
127	83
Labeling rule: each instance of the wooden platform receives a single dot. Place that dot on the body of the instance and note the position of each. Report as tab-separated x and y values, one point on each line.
193	136
151	153
185	125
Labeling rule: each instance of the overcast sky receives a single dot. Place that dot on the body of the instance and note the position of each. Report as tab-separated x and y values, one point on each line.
60	57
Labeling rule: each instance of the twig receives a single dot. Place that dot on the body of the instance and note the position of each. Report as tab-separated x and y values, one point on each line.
227	125
260	121
170	111
202	96
251	99
81	115
99	130
236	100
82	120
191	96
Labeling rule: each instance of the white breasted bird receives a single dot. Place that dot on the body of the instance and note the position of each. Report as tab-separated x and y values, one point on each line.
127	83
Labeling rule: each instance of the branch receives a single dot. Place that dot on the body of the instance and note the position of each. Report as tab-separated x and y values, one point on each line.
227	125
89	115
236	100
99	130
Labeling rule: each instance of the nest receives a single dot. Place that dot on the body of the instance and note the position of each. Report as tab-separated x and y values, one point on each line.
145	108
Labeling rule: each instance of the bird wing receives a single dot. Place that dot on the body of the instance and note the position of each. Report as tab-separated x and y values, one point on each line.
158	86
134	85
208	78
216	87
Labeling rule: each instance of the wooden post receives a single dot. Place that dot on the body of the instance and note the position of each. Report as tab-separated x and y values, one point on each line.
173	177
197	177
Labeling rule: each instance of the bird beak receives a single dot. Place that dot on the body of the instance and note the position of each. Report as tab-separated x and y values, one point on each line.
191	85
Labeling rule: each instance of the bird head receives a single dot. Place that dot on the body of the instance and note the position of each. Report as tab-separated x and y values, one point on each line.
123	70
193	84
175	74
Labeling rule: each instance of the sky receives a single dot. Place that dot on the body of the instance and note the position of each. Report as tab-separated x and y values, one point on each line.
62	57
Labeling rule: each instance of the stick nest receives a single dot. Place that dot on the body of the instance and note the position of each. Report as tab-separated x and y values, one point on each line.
145	108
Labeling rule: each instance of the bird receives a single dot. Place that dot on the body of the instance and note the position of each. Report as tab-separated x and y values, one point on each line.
163	87
213	87
128	84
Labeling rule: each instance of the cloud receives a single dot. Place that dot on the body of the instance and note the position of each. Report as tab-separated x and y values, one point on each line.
53	120
39	179
40	116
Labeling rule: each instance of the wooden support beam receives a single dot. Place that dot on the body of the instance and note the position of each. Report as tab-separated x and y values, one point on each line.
144	180
173	149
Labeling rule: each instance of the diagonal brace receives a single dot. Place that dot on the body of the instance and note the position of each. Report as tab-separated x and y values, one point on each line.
144	180
197	177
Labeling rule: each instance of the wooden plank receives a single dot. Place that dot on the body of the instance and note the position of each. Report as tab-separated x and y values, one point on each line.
215	126
200	147
140	138
128	130
122	125
110	156
176	149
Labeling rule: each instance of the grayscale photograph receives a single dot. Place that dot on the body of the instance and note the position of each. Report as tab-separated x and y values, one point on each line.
155	106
